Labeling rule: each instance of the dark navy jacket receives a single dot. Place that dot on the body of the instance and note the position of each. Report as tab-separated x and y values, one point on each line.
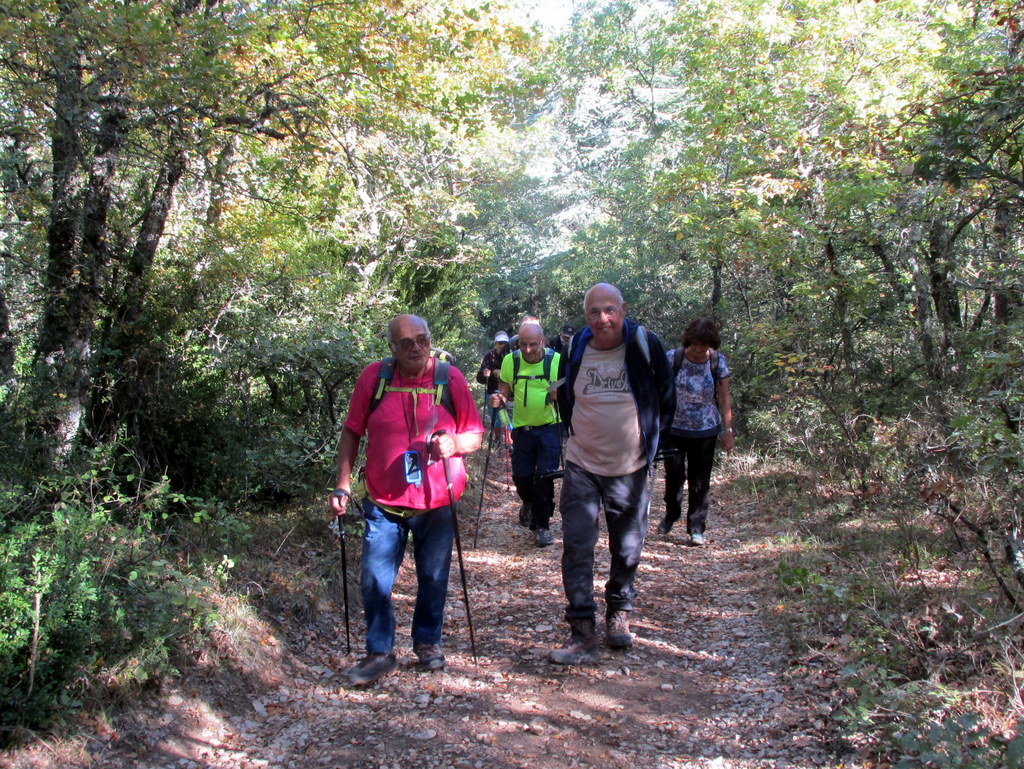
650	379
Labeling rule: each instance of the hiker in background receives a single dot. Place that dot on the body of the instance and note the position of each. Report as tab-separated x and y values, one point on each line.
410	423
526	376
558	343
703	411
617	398
489	375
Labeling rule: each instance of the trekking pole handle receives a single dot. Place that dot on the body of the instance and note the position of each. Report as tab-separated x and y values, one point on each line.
434	443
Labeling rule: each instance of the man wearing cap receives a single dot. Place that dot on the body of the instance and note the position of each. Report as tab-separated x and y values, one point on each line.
559	342
489	375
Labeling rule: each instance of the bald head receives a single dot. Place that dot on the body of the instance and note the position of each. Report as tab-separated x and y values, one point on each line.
409	339
605	312
602	293
531	341
399	322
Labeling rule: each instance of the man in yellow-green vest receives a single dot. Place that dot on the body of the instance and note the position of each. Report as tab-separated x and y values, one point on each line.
526	377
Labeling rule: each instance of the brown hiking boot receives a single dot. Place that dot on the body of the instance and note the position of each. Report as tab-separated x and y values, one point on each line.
429	656
371	668
617	633
582	646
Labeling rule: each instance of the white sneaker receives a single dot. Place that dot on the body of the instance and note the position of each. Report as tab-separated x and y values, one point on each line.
697	540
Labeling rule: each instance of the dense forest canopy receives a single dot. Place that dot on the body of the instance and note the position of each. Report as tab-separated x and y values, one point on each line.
211	208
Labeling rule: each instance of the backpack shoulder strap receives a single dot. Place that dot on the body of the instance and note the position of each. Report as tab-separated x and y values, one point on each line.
715	361
441	381
645	346
548	355
677	361
384	375
442	392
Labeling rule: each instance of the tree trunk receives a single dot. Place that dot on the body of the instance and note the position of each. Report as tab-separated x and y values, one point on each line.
925	317
716	288
7	342
78	253
945	297
125	360
1006	298
842	309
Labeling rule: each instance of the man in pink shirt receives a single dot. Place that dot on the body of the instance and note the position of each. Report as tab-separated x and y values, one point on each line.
408	432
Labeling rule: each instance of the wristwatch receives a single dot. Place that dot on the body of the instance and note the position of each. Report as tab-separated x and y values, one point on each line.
342	493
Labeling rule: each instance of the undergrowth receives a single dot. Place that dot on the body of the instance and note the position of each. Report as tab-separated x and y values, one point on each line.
921	638
106	582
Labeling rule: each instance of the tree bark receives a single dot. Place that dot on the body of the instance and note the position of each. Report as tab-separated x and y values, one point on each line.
1006	298
124	366
79	248
945	298
7	341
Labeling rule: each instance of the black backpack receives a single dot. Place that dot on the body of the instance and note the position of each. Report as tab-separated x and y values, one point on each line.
677	363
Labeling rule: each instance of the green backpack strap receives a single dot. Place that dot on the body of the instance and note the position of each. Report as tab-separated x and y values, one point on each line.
441	391
441	368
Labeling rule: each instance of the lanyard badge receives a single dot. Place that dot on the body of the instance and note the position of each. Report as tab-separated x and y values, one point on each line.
413	471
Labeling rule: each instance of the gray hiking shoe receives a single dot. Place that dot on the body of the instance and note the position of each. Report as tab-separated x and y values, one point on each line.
371	668
582	646
543	537
697	540
617	633
429	656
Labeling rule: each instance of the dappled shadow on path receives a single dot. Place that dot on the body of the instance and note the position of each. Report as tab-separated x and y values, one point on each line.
704	685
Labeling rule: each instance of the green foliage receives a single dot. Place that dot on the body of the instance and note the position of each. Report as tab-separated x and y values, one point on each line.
93	594
959	742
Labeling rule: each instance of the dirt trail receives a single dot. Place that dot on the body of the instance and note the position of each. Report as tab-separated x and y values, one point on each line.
705	685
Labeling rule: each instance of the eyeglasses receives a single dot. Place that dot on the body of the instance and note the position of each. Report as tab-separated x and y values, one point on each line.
406	345
597	312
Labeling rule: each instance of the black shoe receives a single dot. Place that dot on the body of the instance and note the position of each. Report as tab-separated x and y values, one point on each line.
664	527
543	538
371	668
525	514
429	656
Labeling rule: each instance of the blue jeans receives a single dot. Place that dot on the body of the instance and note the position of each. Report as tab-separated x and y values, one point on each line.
536	452
384	541
625	501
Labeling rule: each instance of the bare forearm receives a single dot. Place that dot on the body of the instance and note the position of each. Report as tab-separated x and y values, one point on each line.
348	450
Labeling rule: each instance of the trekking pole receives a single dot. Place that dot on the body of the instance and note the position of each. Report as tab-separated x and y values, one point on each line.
344	578
483	484
507	412
458	548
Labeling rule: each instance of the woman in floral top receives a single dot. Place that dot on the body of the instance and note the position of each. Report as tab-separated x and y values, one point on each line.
703	410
